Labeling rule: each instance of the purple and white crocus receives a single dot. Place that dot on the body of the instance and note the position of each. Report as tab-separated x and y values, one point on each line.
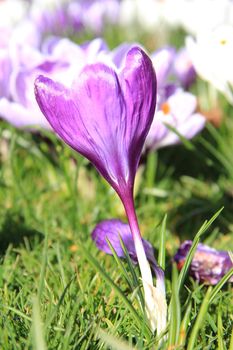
111	231
59	59
208	265
176	108
105	116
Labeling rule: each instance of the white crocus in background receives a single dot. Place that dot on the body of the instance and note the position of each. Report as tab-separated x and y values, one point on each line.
193	16
12	12
147	13
197	15
212	56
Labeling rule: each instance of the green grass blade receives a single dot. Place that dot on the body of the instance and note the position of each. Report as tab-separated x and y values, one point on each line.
37	327
184	325
151	166
162	242
220	331
43	266
231	341
174	310
188	144
55	310
200	320
121	266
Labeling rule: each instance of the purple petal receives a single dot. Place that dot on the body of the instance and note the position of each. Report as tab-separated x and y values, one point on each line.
118	55
92	48
104	117
5	71
162	60
111	230
208	265
140	96
178	112
183	68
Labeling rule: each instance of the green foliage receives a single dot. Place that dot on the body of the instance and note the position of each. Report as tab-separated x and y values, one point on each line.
58	292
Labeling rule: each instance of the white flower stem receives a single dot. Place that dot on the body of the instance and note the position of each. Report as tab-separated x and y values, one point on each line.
155	300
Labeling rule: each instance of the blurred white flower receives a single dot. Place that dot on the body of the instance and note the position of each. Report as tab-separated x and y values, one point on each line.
192	15
197	15
147	13
11	12
212	56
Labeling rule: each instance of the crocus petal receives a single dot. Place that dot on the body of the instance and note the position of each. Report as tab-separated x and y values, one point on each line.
72	114
111	230
177	112
182	105
162	60
140	94
208	265
119	53
183	68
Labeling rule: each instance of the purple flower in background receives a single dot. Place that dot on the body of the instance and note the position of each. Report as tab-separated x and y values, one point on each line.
208	265
184	69
75	17
111	230
106	116
176	108
5	71
163	62
60	59
179	112
94	14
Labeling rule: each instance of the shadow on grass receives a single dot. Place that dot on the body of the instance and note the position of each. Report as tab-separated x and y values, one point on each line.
13	230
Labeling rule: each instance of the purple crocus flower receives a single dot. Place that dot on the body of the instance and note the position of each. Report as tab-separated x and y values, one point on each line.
5	70
183	68
111	230
163	63
106	116
175	108
74	17
60	59
208	265
179	112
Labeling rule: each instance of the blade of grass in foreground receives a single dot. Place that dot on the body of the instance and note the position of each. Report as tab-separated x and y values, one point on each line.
200	319
43	266
193	248
174	311
184	325
117	290
231	342
162	245
37	328
120	265
220	331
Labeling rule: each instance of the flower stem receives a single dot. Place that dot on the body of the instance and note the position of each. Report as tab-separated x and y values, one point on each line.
155	300
141	255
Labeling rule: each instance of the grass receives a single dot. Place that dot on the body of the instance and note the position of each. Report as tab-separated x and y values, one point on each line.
59	292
